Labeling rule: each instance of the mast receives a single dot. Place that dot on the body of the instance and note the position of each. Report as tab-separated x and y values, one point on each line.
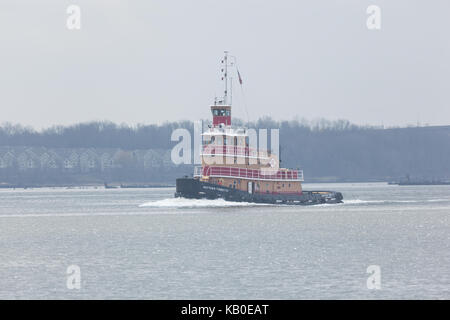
225	76
221	109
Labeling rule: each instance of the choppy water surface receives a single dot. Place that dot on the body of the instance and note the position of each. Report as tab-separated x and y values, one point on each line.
142	243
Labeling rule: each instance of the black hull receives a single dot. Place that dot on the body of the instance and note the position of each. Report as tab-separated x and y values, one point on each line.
196	189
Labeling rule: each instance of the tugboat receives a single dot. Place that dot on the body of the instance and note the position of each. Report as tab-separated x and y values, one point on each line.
232	170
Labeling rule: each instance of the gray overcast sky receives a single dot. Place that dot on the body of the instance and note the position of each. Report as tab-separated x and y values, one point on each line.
146	61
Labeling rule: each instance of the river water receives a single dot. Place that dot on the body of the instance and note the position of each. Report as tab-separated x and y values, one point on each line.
144	244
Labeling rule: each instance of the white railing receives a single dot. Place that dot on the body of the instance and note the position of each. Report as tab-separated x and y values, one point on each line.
246	173
232	150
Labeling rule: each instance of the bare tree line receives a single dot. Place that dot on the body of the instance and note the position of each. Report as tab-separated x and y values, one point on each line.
325	150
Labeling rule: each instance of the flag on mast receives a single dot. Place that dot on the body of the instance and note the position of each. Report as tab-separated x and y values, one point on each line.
239	75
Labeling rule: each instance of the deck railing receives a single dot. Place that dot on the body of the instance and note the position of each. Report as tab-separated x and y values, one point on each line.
231	150
245	173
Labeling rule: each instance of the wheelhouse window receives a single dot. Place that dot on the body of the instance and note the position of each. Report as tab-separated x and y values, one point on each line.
221	112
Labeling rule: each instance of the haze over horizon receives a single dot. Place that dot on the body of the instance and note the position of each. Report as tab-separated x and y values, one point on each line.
155	61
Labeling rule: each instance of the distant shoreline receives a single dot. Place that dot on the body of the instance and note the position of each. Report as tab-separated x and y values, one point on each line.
134	185
117	185
86	186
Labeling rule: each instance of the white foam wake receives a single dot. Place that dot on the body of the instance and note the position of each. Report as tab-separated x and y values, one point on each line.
196	203
359	201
